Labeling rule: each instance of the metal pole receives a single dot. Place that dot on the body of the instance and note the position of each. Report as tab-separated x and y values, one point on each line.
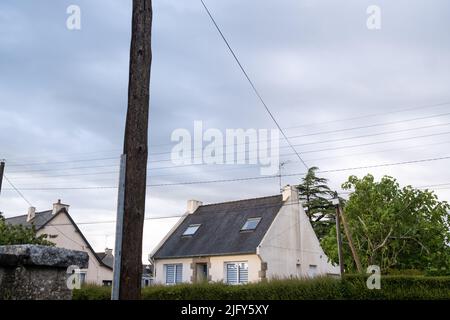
119	229
2	170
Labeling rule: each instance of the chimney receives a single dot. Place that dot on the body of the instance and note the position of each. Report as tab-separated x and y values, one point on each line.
193	205
291	193
108	252
58	206
31	214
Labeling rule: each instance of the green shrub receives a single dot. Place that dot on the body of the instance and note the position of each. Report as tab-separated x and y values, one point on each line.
92	292
398	287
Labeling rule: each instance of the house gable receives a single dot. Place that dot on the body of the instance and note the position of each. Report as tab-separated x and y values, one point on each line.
46	222
290	247
62	220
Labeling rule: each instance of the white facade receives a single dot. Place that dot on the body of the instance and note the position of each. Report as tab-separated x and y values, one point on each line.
63	234
290	246
216	267
289	249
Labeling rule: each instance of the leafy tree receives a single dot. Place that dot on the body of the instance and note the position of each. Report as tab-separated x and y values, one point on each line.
17	234
394	227
315	194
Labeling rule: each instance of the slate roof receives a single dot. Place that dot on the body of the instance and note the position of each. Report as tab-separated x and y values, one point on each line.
220	231
41	219
106	259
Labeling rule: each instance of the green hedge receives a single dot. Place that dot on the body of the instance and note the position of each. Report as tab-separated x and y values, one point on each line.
350	287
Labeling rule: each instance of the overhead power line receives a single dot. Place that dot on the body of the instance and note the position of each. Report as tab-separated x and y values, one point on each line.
282	147
255	207
284	155
252	84
114	221
343	130
13	159
333	131
323	141
374	134
243	167
248	178
327	141
377	142
63	155
294	136
62	162
17	190
372	115
162	160
379	124
59	169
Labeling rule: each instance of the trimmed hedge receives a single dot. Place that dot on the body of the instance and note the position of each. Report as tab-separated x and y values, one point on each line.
350	287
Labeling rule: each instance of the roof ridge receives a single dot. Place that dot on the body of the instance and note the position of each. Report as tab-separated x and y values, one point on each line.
25	215
237	201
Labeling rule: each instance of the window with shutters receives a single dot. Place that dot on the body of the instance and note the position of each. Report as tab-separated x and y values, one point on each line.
174	273
236	272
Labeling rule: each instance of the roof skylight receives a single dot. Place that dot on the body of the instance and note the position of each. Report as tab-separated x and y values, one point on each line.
191	229
251	224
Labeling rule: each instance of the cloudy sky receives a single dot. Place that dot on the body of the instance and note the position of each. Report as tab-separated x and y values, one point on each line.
322	72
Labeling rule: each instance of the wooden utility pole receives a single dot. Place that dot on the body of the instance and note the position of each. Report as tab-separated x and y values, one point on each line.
2	170
348	234
338	235
135	150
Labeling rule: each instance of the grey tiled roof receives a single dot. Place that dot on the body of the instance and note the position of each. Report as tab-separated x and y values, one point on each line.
220	230
39	221
106	259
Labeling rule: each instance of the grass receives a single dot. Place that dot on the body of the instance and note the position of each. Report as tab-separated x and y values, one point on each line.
350	287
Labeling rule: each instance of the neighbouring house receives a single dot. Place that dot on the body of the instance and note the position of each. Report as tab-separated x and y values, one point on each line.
241	241
64	233
147	275
108	259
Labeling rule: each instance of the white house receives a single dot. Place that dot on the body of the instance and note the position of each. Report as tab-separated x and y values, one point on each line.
64	233
241	241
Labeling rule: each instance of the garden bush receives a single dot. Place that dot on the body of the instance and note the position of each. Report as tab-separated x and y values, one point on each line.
350	287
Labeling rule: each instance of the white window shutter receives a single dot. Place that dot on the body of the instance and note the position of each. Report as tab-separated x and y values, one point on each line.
179	273
232	273
243	273
170	273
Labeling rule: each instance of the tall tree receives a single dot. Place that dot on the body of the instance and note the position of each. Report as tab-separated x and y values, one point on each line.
394	227
316	195
135	149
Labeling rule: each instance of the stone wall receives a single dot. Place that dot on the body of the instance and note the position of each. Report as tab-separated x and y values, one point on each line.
30	272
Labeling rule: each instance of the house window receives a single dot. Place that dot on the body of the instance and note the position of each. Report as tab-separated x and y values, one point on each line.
174	273
191	230
237	272
107	283
250	224
312	271
82	277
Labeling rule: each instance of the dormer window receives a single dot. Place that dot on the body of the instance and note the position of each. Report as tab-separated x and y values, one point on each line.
251	224
191	229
